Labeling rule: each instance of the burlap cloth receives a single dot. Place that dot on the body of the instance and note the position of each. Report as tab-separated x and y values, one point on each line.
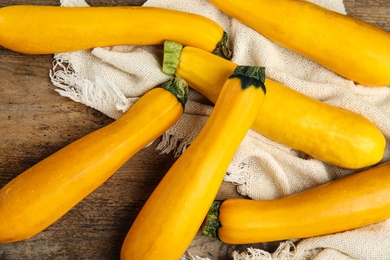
111	79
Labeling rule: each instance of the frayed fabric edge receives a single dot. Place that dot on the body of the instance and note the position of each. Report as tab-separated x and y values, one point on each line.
287	250
236	173
98	94
190	256
171	143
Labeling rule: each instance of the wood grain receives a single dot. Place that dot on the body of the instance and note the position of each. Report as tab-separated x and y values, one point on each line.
35	122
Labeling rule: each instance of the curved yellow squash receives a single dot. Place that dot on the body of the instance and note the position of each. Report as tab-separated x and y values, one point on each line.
42	194
173	214
354	201
331	134
52	29
352	48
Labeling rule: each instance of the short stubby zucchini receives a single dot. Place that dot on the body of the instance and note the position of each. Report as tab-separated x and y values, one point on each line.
328	133
351	202
41	195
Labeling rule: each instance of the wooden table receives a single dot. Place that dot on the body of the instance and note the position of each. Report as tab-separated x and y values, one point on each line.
35	122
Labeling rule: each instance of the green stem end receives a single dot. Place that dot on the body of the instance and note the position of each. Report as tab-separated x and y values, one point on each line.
172	52
178	87
221	49
171	59
250	76
211	223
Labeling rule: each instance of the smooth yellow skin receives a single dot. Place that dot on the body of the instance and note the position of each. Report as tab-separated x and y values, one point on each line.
173	214
42	194
53	29
333	135
352	48
357	200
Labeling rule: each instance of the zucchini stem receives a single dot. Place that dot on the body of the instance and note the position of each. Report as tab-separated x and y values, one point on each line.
211	223
178	87
250	76
222	50
171	58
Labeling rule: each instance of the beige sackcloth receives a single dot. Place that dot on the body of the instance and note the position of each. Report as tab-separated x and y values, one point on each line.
111	79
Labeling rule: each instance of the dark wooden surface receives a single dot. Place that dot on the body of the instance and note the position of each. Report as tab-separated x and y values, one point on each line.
35	122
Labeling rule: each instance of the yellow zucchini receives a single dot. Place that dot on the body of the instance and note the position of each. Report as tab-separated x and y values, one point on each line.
351	202
174	212
331	134
42	194
352	48
52	29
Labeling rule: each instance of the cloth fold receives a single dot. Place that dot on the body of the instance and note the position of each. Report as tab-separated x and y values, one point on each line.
111	79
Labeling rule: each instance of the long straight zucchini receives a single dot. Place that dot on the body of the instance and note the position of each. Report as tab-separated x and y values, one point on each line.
51	29
351	202
42	194
174	212
334	135
352	48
